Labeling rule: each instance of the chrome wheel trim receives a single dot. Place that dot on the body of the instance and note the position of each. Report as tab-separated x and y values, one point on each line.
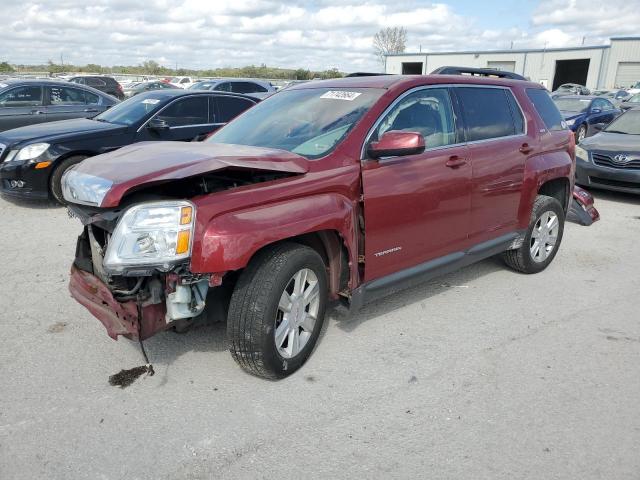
297	313
582	133
544	236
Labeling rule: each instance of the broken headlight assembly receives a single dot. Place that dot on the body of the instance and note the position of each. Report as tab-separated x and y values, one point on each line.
151	235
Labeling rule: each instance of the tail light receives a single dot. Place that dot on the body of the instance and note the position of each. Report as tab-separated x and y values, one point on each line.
572	146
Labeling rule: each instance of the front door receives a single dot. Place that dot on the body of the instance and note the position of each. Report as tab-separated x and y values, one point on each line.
187	119
21	106
417	206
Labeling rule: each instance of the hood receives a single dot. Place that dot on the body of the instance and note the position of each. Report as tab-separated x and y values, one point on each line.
104	179
613	142
55	130
570	115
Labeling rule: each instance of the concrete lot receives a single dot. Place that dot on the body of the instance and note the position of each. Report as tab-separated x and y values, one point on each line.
483	374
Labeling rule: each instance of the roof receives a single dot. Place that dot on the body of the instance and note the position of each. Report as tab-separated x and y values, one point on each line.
43	81
410	81
180	92
515	50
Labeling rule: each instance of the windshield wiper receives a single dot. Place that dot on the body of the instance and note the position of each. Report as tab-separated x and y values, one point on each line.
616	131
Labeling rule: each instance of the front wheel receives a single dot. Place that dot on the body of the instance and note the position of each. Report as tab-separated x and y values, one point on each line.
581	134
277	310
56	177
542	239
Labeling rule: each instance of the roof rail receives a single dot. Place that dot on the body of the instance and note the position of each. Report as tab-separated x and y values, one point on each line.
477	72
365	74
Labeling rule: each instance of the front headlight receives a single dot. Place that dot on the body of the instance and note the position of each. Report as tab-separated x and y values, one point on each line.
570	122
157	234
30	152
582	154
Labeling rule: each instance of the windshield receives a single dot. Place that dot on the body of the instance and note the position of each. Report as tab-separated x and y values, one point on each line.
572	104
309	122
628	123
130	111
635	98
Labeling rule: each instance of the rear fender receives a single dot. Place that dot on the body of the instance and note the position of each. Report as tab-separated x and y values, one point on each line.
540	169
230	240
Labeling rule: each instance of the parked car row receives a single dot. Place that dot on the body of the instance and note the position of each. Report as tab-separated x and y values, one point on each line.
34	158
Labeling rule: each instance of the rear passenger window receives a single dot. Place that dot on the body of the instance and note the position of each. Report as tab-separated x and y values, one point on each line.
92	99
428	112
546	108
246	87
66	96
230	107
487	113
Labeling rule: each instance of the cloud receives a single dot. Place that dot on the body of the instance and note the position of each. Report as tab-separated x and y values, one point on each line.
310	34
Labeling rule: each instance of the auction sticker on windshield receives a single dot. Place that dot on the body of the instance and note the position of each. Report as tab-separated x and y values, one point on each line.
150	101
341	95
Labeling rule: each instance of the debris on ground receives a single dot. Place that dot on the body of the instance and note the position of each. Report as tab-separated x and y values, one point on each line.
124	378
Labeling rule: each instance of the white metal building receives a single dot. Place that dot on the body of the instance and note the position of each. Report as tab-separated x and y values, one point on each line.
605	66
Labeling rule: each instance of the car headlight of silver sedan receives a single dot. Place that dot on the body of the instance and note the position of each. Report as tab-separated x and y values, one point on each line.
155	234
582	154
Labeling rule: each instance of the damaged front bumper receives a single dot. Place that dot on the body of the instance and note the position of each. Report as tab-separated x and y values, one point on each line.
131	319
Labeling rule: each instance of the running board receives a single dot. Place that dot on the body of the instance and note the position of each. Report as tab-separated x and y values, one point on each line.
384	286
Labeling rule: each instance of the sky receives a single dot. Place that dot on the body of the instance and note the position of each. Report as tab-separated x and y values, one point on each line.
316	35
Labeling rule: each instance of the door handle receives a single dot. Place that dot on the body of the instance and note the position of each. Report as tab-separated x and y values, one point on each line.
456	161
525	148
36	112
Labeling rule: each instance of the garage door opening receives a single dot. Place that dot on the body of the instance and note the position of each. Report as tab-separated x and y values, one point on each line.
412	68
571	71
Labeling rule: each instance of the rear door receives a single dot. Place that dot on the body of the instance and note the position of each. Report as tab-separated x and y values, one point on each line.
416	206
499	146
66	102
228	107
20	106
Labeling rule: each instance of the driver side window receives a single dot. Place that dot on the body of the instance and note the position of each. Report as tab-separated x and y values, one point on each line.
428	112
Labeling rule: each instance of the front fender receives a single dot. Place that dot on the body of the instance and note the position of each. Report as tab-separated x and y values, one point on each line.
230	240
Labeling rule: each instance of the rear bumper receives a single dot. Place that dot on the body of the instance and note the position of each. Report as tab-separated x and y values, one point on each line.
617	179
119	318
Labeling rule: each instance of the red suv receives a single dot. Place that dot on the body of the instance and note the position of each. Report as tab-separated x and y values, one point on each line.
337	190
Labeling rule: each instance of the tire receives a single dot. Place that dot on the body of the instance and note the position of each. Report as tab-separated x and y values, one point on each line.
256	310
581	133
55	183
527	259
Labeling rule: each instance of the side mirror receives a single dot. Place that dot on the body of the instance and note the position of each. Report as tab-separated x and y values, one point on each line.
596	110
157	124
396	143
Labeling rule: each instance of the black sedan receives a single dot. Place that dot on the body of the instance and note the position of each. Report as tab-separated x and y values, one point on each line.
25	102
611	159
33	159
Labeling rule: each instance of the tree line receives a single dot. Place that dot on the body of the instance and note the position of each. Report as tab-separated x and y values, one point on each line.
152	67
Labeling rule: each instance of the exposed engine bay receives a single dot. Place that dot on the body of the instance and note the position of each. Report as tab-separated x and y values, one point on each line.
145	298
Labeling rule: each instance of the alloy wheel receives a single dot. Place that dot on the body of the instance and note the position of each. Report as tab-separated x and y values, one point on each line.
544	236
297	313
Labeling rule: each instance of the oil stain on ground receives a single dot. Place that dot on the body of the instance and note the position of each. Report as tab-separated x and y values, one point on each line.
57	327
124	378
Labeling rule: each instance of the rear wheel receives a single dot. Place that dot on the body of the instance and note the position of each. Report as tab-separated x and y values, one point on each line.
542	239
55	183
277	310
